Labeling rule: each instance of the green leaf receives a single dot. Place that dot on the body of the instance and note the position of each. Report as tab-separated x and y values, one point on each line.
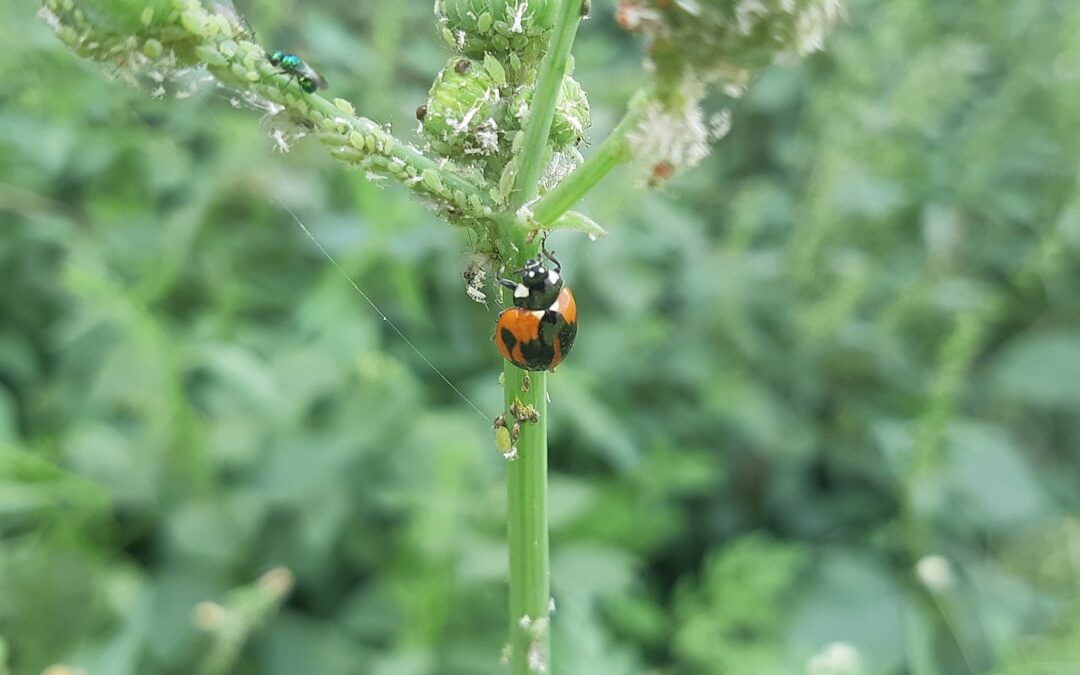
590	570
733	618
1041	369
580	222
853	599
992	478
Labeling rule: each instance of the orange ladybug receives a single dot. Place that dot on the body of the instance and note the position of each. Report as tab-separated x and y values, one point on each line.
539	330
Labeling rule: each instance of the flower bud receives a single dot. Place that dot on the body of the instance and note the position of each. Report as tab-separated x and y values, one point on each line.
462	110
572	115
475	27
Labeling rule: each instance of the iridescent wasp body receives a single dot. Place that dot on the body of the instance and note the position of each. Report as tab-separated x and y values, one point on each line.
291	64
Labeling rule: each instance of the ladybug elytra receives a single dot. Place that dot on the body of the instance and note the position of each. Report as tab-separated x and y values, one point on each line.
539	330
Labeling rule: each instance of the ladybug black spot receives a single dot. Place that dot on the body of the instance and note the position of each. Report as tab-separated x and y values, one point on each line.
508	339
538	355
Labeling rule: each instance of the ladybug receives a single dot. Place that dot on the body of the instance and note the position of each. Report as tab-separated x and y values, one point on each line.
539	330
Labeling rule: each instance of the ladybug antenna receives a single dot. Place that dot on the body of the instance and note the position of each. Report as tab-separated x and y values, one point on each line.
548	254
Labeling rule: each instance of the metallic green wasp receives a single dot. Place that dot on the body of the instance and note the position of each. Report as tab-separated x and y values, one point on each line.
292	65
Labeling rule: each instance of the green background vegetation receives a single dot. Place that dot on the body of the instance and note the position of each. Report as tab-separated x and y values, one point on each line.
850	339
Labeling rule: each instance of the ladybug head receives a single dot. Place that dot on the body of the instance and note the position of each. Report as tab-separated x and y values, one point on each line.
539	286
535	275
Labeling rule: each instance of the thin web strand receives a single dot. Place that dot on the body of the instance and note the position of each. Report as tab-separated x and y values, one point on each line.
378	311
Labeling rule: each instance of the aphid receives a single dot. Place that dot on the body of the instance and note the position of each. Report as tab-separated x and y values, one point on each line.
462	66
228	10
292	65
421	112
539	330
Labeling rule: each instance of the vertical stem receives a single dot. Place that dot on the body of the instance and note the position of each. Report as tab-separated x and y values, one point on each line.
922	497
534	150
530	594
527	526
526	490
614	151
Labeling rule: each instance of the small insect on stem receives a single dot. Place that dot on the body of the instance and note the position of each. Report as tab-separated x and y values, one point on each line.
462	66
421	113
228	10
293	66
586	7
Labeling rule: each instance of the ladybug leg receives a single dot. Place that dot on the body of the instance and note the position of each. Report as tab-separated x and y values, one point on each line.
520	290
512	285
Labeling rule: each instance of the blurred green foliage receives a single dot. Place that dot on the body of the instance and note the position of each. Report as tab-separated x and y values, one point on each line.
848	342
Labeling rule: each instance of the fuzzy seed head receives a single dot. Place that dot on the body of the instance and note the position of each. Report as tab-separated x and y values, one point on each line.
728	41
672	136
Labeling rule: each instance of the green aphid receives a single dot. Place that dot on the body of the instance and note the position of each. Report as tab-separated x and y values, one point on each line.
292	65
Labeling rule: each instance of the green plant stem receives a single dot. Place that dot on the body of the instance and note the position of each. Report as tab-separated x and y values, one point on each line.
387	156
527	526
526	490
534	155
922	494
188	35
530	594
615	150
